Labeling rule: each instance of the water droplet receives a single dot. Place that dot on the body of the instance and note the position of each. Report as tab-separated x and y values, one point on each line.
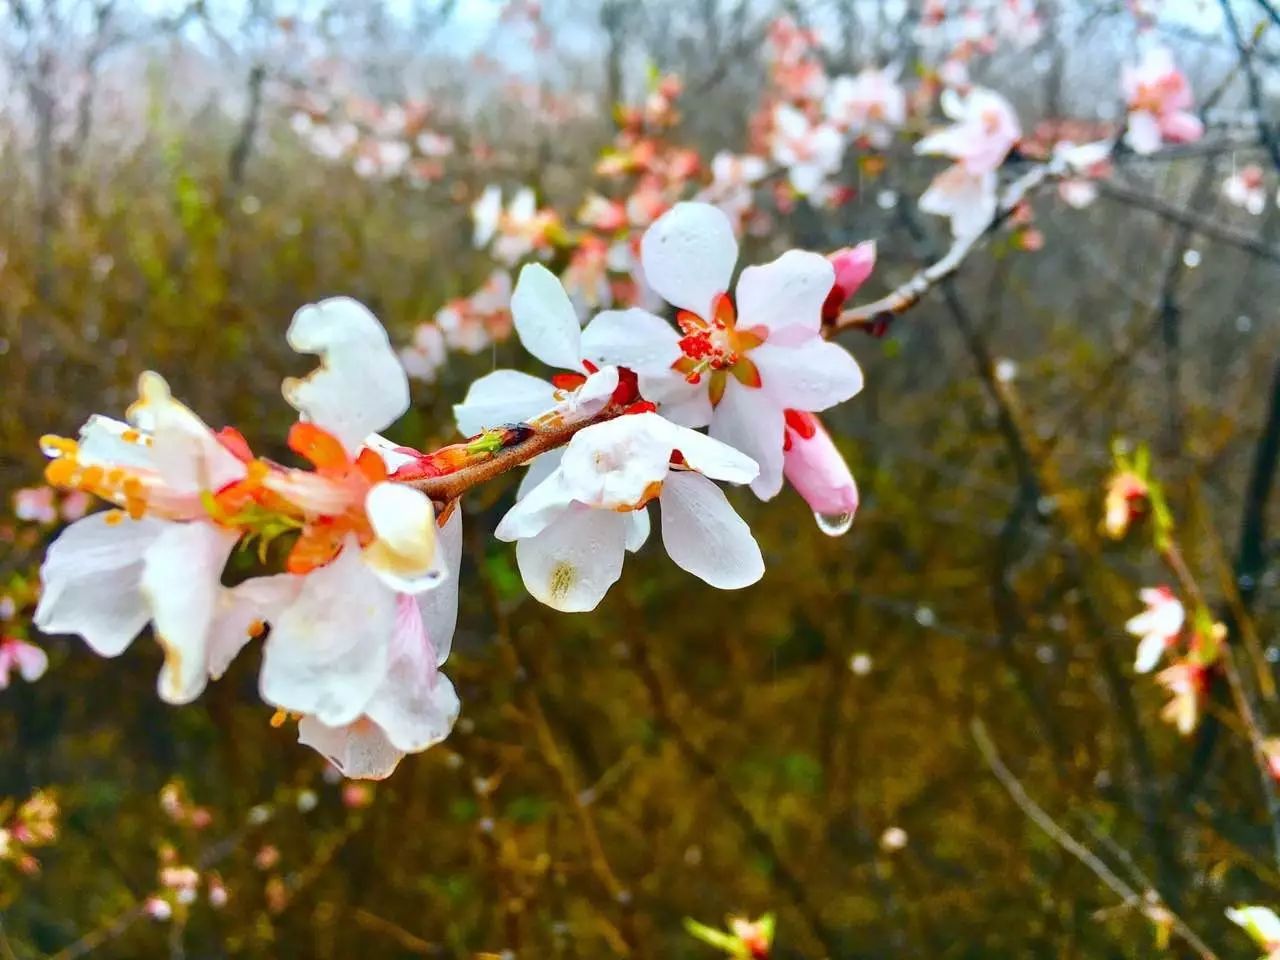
1191	259
925	616
887	199
834	524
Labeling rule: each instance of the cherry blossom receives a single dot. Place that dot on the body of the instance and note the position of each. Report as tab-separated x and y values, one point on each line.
1245	188
516	231
28	659
1089	162
35	505
1185	682
1157	627
852	266
547	325
985	130
743	360
1160	102
1126	500
810	152
573	529
471	324
871	105
158	559
426	354
733	178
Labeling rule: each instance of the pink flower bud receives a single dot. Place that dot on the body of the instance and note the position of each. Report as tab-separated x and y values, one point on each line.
852	265
815	467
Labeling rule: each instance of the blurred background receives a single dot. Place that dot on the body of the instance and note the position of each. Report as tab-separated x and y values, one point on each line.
178	179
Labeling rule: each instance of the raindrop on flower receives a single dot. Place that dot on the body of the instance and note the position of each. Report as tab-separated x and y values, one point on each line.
834	524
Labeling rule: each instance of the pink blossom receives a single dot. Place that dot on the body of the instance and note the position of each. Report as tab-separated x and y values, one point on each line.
813	465
871	104
1157	627
985	130
35	505
1160	101
30	661
852	265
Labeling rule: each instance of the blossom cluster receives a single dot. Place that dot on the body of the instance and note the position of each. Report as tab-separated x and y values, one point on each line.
357	619
34	824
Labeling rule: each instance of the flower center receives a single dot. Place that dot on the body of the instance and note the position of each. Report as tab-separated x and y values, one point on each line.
717	347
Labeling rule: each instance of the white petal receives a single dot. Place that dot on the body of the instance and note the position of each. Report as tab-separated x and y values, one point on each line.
485	212
540	467
790	291
181	579
502	397
359	750
545	319
241	610
1143	132
710	457
637	529
327	652
571	564
704	535
102	444
403	553
688	255
439	607
392	454
749	420
1149	652
360	387
415	705
812	376
183	449
615	463
635	339
536	509
682	402
91	579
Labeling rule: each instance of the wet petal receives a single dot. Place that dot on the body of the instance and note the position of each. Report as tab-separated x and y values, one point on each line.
540	467
637	529
545	319
181	580
403	553
571	564
360	386
327	652
704	535
635	339
688	256
538	507
241	612
439	607
359	750
502	397
790	291
750	421
91	580
812	376
711	457
183	450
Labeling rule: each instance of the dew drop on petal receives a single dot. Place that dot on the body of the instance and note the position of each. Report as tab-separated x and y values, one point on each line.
834	524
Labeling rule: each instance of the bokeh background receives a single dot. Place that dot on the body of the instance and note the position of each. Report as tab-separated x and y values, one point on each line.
805	746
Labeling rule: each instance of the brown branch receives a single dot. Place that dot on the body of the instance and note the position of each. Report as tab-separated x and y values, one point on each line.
1150	903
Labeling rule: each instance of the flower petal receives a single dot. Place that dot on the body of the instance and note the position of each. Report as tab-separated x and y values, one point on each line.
181	580
688	256
359	750
812	376
183	450
327	652
439	607
540	467
635	339
571	564
545	319
711	457
360	386
637	529
91	577
538	507
416	705
403	553
501	397
790	291
750	421
242	611
704	535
